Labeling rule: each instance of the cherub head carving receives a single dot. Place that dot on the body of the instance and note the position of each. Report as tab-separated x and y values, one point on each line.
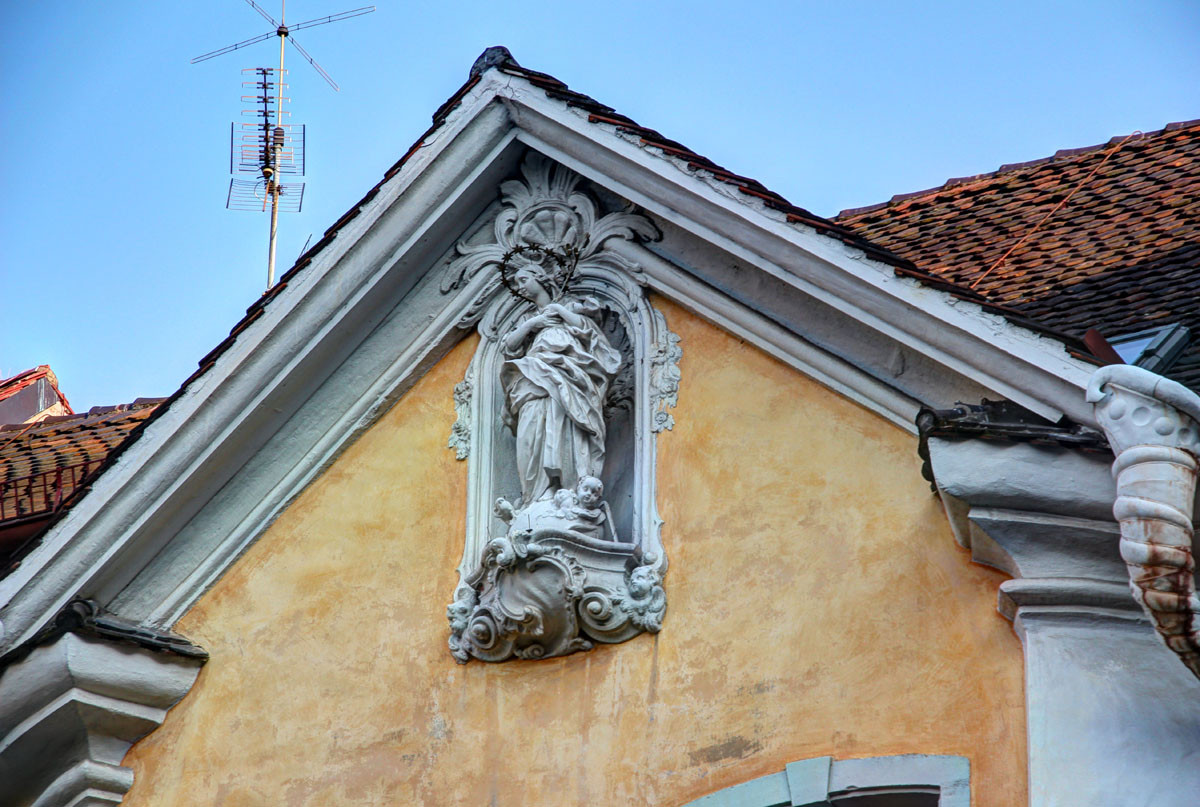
589	492
642	582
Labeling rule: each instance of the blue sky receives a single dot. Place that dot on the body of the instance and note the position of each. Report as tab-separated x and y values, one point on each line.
121	267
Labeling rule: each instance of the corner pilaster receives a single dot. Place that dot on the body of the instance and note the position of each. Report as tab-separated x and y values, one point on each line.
1112	718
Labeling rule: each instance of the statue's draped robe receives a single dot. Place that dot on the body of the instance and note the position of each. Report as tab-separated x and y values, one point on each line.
555	393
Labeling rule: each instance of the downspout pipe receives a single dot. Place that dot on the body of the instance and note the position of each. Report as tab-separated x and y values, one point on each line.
1153	426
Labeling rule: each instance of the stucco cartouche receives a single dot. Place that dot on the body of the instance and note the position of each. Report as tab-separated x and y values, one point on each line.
818	605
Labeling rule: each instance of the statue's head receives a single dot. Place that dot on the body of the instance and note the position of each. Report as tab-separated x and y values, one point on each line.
589	491
529	282
531	268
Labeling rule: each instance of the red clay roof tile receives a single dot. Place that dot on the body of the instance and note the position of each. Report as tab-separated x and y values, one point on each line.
1120	254
43	466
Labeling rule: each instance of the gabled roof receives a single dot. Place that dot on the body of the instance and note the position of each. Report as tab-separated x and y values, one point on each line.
902	264
500	59
364	313
1122	254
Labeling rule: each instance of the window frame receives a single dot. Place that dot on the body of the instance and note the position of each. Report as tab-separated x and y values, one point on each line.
829	781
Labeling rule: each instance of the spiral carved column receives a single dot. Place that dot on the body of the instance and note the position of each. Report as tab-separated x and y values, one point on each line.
1152	426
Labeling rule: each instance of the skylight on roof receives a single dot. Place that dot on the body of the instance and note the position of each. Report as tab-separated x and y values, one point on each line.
1131	350
1155	349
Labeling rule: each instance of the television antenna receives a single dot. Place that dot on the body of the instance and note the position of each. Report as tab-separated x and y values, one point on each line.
268	146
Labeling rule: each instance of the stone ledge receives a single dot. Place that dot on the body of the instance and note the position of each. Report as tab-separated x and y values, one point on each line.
70	710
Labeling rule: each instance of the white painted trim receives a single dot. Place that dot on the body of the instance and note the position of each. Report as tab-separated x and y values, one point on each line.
1034	371
350	424
176	447
187	410
745	323
1111	716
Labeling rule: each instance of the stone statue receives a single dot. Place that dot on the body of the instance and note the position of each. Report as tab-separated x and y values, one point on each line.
555	377
581	369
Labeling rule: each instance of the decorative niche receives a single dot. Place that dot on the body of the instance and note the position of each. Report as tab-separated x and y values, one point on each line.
558	417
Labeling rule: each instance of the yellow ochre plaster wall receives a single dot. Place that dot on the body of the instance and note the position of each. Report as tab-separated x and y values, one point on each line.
817	605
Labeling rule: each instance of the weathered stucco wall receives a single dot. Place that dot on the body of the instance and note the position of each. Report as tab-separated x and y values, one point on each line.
818	605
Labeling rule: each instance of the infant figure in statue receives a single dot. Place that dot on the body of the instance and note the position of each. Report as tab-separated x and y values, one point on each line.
581	511
589	513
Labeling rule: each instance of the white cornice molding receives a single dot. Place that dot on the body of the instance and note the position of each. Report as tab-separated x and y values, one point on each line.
69	711
1097	687
784	344
1023	366
299	334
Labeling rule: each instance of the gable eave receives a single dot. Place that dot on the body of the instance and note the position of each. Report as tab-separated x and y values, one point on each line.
182	503
250	395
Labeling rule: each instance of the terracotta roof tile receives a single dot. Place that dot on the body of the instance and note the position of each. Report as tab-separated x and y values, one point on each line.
1122	254
43	466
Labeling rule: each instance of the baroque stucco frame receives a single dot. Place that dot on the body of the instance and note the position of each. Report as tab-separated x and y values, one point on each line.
610	593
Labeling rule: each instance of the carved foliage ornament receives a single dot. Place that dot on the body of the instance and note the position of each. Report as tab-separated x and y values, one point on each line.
557	416
545	210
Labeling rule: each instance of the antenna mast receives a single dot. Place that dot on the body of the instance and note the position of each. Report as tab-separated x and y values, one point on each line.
276	145
268	146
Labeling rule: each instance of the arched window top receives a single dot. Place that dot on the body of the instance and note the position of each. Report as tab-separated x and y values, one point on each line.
908	780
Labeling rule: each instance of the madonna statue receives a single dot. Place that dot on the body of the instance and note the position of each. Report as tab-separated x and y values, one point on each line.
557	371
552	569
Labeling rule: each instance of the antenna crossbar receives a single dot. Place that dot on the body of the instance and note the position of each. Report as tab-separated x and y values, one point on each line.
285	31
345	15
264	14
232	48
321	70
246	194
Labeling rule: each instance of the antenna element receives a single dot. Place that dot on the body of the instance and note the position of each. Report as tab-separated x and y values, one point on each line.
268	146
